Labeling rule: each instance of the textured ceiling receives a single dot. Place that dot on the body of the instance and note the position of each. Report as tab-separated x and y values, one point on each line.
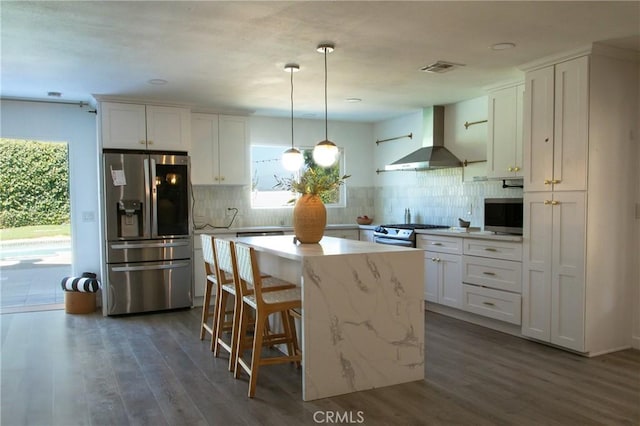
229	56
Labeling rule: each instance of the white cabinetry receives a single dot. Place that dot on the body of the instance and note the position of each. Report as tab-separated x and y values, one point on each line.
220	150
556	126
442	261
504	146
554	262
492	279
133	126
580	112
366	235
349	234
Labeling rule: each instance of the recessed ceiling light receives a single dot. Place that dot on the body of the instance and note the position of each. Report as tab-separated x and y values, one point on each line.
54	94
353	100
503	46
157	81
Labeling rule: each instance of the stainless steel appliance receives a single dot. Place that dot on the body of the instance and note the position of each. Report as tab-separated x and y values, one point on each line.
403	234
148	237
503	215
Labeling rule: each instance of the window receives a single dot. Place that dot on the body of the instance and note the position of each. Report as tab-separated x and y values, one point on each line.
266	164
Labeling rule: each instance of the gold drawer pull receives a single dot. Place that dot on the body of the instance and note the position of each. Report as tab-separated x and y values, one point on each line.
490	249
555	181
555	203
150	142
547	182
489	303
516	169
489	273
547	202
142	142
509	169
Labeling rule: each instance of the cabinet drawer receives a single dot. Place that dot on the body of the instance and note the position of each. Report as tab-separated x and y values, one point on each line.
494	249
440	244
495	304
494	273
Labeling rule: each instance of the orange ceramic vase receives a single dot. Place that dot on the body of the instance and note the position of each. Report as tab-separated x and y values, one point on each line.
309	219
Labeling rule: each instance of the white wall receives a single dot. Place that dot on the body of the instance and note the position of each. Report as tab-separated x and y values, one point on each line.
66	123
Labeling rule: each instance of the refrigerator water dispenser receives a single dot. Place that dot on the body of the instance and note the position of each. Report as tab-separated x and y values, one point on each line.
130	218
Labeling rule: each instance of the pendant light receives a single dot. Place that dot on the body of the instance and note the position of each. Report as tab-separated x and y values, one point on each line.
292	159
325	153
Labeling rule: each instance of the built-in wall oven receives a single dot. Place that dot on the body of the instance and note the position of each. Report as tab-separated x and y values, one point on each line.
403	235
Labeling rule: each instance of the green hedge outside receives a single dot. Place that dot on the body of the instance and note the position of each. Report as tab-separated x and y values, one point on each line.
34	183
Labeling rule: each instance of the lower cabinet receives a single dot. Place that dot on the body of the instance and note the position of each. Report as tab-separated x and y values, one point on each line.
349	234
492	277
366	235
443	283
443	269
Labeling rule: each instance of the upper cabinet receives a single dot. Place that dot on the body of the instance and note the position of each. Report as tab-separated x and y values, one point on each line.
133	126
504	147
556	127
219	149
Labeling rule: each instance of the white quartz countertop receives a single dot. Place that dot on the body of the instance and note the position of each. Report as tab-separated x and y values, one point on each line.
284	246
483	235
234	230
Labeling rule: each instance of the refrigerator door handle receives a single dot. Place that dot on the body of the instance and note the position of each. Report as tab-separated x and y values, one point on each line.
174	265
126	246
154	200
147	192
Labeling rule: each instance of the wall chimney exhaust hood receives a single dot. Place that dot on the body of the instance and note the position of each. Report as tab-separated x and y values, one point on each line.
433	154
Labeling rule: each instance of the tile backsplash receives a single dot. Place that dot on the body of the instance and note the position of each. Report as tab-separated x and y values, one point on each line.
437	197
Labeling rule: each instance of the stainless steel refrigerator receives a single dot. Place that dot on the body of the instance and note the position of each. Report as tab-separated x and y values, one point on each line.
148	237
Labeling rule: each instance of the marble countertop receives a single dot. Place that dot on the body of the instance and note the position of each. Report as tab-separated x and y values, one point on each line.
472	233
283	246
234	230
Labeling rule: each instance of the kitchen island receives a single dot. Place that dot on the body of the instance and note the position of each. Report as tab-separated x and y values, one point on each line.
363	317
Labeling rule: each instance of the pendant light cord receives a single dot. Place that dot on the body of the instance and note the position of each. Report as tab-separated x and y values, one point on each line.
326	125
291	71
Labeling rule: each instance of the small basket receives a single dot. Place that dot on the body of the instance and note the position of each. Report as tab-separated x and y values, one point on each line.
364	221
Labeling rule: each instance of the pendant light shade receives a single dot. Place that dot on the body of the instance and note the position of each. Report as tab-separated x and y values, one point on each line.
292	159
325	153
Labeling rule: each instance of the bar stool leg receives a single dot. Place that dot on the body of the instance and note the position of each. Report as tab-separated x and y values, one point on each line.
218	325
257	353
206	302
242	332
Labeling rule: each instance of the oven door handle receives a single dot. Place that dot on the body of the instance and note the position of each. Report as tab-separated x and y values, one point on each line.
393	241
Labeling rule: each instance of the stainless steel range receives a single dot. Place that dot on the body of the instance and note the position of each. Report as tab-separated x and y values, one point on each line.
403	234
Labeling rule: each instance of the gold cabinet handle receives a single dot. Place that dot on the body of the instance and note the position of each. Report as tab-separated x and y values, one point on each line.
555	181
509	169
150	142
555	203
516	169
221	177
216	178
490	249
547	202
489	303
547	181
142	142
489	273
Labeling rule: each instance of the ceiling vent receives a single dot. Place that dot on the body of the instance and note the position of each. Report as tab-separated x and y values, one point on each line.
441	67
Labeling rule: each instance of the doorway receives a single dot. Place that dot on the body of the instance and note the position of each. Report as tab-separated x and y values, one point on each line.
35	225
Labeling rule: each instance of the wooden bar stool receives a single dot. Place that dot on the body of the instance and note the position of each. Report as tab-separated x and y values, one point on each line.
254	298
210	284
224	256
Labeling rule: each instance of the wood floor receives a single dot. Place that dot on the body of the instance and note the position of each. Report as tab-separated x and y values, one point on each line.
60	369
